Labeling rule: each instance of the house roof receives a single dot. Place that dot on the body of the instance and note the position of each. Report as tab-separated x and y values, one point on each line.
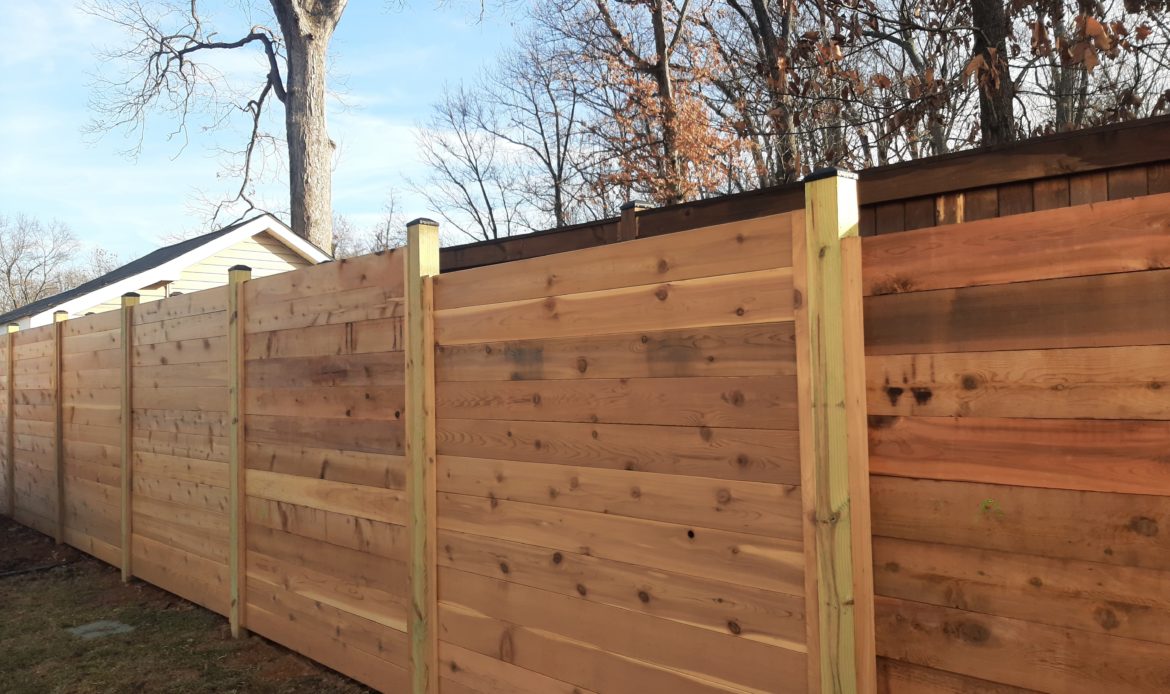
160	265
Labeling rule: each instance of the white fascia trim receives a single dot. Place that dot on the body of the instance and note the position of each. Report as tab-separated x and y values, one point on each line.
170	271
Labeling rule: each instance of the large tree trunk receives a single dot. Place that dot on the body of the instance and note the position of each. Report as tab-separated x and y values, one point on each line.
672	163
996	95
782	112
310	151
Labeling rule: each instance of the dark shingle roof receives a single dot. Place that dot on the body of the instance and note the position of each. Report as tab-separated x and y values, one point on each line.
134	267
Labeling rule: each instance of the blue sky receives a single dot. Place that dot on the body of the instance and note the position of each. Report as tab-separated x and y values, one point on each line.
388	65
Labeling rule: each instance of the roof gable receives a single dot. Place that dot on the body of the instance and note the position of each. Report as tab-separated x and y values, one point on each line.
162	265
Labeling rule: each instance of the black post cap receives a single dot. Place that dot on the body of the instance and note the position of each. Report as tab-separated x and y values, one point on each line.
828	172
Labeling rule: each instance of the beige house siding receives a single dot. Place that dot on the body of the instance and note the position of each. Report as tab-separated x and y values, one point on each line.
263	253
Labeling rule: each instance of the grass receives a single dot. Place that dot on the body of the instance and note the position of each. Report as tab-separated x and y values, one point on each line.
176	646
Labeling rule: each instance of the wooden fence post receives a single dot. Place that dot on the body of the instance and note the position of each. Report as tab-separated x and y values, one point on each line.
421	265
59	317
9	444
129	301
237	470
833	436
628	224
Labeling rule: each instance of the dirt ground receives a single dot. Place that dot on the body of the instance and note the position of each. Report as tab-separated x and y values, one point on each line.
176	646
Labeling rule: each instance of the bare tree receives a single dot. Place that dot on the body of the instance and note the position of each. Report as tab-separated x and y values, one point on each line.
34	260
164	69
536	105
387	233
472	182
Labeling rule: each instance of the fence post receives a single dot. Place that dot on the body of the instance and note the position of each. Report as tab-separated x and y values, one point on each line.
628	224
9	444
129	301
833	436
59	317
237	470
421	265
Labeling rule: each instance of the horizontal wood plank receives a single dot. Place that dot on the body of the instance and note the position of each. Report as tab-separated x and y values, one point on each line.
1120	456
760	455
757	244
1096	311
1116	236
763	296
748	402
740	350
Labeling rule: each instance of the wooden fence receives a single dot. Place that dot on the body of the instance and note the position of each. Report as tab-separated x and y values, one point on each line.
643	466
1017	372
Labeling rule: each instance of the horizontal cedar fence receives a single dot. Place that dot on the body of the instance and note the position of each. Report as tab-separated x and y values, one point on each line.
616	470
1076	168
1019	415
327	547
647	466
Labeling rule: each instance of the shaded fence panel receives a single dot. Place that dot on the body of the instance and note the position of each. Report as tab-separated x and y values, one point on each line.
91	408
1017	373
180	472
327	547
34	435
618	472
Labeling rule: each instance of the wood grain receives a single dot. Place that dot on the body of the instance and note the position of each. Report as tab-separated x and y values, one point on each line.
751	297
1093	311
1117	236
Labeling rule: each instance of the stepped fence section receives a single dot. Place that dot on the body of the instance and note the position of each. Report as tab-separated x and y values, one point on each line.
1017	374
648	466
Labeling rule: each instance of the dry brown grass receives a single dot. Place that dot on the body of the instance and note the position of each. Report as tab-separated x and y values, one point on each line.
175	647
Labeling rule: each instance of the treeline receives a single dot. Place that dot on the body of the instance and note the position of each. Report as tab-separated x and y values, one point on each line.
603	101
